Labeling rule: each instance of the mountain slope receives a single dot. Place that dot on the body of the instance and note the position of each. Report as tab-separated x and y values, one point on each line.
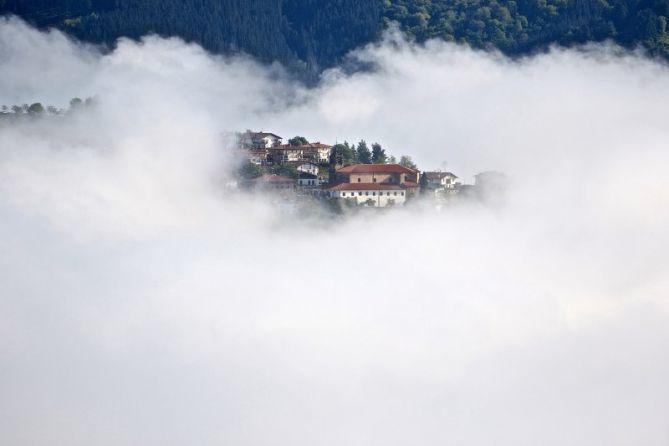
309	35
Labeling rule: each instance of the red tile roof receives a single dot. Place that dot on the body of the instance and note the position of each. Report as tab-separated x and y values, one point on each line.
273	179
376	168
311	145
364	186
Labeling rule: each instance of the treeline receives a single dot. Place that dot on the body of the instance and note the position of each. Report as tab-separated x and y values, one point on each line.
346	154
37	109
519	26
309	35
306	35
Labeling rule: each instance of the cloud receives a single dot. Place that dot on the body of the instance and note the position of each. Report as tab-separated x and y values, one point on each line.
143	303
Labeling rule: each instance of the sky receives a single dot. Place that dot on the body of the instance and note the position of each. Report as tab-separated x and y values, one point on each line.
143	302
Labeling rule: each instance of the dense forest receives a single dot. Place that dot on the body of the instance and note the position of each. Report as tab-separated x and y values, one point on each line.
306	35
519	26
309	35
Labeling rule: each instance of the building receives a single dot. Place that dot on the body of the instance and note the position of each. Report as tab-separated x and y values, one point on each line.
440	180
316	153
369	194
308	180
258	140
440	185
274	182
378	173
255	156
377	185
308	168
491	186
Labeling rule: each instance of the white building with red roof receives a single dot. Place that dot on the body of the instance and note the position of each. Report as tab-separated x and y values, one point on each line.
377	185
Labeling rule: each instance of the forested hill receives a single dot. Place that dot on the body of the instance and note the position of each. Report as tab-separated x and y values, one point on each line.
308	35
302	34
519	26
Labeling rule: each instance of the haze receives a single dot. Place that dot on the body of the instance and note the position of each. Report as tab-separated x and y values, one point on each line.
142	302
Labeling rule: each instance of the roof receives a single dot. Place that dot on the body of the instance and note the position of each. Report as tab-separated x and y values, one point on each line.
261	134
273	179
365	186
438	175
376	168
311	145
315	145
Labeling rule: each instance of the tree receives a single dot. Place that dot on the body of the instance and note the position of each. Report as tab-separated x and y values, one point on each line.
75	103
298	141
36	109
406	161
392	160
285	171
378	154
249	171
342	154
363	154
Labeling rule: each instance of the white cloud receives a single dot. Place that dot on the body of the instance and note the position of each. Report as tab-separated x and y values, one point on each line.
141	304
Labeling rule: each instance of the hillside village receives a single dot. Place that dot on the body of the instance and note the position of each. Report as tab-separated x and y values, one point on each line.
350	176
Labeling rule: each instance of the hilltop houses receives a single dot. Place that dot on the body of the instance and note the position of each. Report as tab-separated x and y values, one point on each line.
440	180
374	185
440	185
263	148
258	140
302	171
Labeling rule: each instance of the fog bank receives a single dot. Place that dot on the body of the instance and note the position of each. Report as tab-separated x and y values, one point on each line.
141	302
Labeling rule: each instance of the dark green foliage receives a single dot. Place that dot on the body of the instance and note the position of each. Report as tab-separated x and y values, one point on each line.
284	170
406	161
362	153
298	141
378	154
309	35
249	171
519	26
36	109
306	35
342	155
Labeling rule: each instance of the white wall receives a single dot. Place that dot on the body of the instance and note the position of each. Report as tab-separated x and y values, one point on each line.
381	198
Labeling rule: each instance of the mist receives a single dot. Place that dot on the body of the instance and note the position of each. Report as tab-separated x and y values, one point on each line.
143	302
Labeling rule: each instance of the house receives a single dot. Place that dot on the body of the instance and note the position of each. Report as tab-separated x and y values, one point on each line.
258	140
491	186
378	173
255	156
274	182
440	180
316	153
307	168
377	185
308	180
369	194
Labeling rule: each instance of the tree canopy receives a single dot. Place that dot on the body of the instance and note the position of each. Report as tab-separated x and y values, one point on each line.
310	35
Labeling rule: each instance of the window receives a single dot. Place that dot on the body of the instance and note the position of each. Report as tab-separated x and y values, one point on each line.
374	179
366	193
343	194
358	179
359	193
395	193
374	194
402	193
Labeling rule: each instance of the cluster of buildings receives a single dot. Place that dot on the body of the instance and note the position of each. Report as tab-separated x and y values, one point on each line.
263	149
371	185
